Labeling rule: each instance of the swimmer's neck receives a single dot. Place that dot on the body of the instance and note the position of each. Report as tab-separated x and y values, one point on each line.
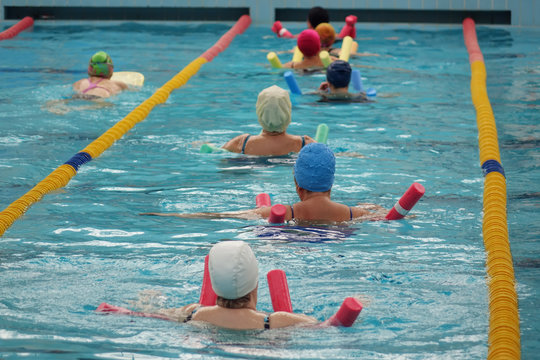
270	133
341	90
314	196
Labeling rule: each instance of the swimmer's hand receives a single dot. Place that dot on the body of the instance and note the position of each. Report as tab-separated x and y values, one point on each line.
324	86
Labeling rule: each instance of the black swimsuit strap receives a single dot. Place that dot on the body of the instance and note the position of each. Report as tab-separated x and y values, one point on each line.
267	322
190	316
303	141
350	211
244	144
292	213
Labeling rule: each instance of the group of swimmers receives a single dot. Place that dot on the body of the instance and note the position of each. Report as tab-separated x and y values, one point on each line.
233	267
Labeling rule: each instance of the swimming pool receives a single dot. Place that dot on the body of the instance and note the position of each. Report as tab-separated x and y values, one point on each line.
422	280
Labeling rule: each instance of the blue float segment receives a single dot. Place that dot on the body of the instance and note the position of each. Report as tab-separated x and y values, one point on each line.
491	166
291	82
356	78
79	159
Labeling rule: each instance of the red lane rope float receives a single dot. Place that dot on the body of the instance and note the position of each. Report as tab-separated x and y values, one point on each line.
504	334
61	176
13	31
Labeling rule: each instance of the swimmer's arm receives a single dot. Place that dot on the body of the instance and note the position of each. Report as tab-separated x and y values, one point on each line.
283	319
369	211
178	314
241	214
235	144
289	65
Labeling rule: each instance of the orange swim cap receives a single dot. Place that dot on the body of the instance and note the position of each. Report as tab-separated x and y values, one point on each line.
327	34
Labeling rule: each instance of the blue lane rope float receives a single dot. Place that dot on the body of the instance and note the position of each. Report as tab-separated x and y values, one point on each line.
79	159
491	166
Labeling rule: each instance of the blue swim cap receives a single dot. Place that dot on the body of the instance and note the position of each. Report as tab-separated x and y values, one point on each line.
314	169
338	73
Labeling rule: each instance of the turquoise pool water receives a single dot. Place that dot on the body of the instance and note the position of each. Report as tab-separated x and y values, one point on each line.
422	280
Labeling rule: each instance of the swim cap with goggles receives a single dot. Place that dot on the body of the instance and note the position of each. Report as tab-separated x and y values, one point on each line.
100	65
314	169
274	109
309	42
233	269
338	73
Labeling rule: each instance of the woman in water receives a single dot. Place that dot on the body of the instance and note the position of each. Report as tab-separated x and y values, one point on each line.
313	177
234	274
274	113
99	84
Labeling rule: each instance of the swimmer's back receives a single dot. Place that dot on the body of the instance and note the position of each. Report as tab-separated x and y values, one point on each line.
267	145
98	87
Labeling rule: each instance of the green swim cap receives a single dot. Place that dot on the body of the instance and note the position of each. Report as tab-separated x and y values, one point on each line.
100	65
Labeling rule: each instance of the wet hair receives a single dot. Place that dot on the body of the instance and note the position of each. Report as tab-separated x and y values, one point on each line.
239	303
318	15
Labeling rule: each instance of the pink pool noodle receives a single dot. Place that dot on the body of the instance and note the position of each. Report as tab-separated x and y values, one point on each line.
277	214
349	29
208	296
281	31
107	308
347	313
279	290
406	203
263	200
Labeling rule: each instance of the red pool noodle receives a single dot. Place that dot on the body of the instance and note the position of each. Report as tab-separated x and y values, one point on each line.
347	313
349	29
17	28
279	290
277	214
107	308
406	203
263	200
208	296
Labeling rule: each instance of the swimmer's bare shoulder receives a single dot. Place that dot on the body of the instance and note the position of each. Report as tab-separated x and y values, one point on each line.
282	319
309	139
235	144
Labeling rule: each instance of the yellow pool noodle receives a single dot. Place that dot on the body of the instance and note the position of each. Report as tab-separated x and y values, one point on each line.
297	56
325	58
346	48
354	47
274	60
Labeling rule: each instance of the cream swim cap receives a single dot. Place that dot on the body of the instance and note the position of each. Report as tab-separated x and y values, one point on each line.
274	109
233	269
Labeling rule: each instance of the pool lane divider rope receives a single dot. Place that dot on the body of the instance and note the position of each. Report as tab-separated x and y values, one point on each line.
504	333
14	30
63	174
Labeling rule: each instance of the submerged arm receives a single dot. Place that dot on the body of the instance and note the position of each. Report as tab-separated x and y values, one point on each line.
240	214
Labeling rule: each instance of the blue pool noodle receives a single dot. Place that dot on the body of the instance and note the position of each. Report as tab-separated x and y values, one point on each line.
357	80
291	81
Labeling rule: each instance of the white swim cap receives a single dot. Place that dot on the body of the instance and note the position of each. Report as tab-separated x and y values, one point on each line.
274	109
233	269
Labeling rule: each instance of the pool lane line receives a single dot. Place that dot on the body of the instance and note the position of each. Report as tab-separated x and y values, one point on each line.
14	30
504	334
61	176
